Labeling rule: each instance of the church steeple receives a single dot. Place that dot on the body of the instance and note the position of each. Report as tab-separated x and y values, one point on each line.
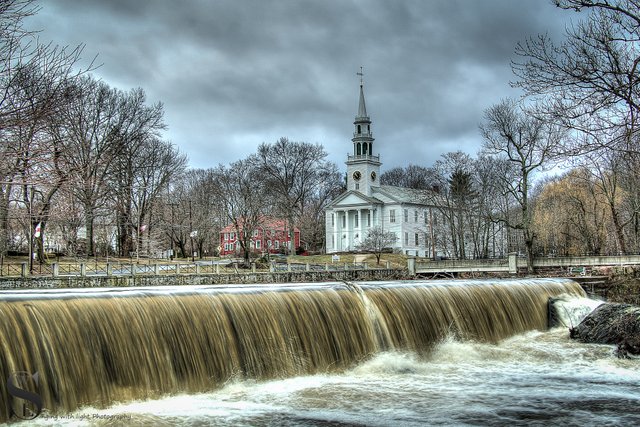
362	108
362	167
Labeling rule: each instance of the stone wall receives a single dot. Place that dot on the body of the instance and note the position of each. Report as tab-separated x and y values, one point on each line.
7	283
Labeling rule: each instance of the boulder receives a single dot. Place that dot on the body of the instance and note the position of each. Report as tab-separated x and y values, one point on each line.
568	310
611	323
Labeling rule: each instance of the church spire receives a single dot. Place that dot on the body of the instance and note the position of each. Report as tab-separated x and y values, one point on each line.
363	167
362	108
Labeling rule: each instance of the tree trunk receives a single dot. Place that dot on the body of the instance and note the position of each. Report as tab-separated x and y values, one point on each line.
615	216
4	218
88	223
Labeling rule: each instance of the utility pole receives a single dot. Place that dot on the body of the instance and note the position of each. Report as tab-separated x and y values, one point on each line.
173	255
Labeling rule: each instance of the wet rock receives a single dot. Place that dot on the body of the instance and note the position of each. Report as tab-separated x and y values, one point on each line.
617	324
568	310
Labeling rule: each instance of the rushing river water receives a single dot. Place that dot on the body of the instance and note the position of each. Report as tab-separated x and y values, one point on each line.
327	354
537	378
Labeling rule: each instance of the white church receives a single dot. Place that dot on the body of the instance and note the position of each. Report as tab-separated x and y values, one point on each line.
366	204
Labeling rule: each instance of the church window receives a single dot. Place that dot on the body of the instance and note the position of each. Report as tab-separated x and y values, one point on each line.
415	216
368	128
333	220
392	215
406	238
358	149
257	244
417	239
370	151
357	186
359	131
364	149
406	215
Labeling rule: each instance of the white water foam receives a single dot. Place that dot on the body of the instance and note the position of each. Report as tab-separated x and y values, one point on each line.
536	378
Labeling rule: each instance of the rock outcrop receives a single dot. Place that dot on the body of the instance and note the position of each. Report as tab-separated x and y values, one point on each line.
610	323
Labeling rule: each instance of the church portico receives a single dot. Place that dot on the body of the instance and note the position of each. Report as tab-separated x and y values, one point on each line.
350	226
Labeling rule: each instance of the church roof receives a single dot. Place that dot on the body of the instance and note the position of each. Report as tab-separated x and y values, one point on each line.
405	195
364	199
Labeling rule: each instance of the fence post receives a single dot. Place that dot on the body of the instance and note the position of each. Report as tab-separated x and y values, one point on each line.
134	269
83	269
308	267
411	266
388	265
109	269
288	266
272	267
513	263
23	270
217	268
253	267
54	269
156	269
178	268
326	266
197	268
365	265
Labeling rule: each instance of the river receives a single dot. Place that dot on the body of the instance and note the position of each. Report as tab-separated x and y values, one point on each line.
536	378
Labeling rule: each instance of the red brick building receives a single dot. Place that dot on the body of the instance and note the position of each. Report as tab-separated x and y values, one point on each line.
271	235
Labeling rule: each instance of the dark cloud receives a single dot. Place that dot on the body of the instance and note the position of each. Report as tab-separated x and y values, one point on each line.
234	73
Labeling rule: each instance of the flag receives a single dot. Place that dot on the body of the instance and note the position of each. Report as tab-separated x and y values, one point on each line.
38	230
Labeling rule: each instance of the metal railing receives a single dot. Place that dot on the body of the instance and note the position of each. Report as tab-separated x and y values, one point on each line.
133	269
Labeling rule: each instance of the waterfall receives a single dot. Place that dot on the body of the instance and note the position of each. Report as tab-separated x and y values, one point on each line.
99	346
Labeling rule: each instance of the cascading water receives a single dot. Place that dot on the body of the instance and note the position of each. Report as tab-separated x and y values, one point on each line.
95	347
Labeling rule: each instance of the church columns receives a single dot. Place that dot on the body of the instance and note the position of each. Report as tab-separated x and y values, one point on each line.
350	226
346	232
357	229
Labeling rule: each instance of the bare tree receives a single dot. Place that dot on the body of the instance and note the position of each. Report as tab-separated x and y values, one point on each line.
34	84
143	164
591	80
413	176
242	190
311	221
527	143
376	241
291	171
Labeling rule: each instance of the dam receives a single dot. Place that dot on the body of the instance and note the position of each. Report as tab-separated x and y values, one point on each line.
122	350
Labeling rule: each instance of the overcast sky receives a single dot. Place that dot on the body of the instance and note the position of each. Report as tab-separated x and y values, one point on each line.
232	74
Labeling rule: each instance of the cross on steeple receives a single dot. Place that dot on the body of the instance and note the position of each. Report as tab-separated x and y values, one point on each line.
361	74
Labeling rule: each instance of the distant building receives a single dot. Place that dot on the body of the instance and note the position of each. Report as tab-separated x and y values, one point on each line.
271	236
367	204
